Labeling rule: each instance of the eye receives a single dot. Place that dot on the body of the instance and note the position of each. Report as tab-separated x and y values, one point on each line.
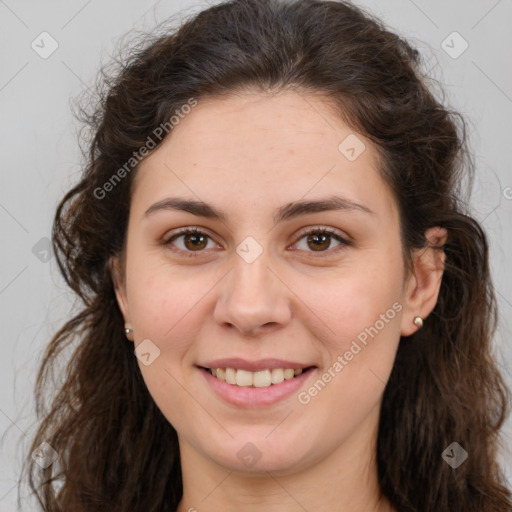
195	240
320	240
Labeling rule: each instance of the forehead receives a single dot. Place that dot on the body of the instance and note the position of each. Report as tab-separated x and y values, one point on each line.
258	146
255	125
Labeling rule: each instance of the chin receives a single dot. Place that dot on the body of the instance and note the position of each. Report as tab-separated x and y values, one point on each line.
256	455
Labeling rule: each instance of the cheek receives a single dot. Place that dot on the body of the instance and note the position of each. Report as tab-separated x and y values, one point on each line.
169	306
361	319
353	300
164	309
361	356
163	296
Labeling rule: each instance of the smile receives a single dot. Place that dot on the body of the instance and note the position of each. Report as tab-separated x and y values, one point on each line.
258	379
262	387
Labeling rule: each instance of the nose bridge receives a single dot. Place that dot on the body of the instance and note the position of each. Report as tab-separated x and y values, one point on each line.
250	278
252	296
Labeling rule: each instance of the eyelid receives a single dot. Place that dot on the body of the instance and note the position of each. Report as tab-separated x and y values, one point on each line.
344	240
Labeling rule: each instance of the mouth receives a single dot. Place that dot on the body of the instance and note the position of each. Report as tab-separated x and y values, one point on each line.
258	383
265	378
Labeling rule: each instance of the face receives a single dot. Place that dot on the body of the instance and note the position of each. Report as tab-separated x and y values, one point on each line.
267	287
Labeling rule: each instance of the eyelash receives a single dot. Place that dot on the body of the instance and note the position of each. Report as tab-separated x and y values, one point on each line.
316	230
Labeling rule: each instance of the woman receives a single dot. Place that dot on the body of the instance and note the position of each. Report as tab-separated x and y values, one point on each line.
285	304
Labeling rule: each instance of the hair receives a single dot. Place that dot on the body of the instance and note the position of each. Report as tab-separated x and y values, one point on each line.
117	450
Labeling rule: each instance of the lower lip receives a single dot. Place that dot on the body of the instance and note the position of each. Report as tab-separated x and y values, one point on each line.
254	397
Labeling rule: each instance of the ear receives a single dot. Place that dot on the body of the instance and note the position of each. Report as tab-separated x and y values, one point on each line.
119	287
422	286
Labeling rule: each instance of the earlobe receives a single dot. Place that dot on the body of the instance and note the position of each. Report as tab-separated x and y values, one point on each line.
422	290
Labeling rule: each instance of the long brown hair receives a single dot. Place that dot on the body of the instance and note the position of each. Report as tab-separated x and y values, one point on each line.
117	450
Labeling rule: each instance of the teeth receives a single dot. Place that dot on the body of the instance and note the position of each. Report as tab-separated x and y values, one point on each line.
243	378
230	376
277	375
260	379
288	374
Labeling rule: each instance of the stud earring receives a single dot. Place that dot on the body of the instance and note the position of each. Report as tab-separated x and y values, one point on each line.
418	322
128	331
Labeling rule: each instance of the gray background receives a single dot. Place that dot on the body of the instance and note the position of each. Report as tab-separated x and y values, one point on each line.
41	159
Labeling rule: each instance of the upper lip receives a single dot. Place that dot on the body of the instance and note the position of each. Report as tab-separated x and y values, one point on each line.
254	366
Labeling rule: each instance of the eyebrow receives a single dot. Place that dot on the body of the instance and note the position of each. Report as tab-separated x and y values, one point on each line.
286	212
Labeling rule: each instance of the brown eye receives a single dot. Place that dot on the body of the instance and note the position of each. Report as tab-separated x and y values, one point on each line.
194	241
319	240
188	240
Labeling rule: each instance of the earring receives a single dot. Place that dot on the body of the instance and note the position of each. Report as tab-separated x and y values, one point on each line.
418	322
128	331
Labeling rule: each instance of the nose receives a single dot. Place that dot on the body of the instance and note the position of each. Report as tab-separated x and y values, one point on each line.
254	298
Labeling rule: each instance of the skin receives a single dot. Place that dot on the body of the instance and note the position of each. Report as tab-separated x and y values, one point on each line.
249	155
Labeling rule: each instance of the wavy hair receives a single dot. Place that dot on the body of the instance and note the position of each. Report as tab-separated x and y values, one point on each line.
117	450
